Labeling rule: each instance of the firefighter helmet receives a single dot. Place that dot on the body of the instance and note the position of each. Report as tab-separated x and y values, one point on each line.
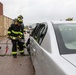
20	16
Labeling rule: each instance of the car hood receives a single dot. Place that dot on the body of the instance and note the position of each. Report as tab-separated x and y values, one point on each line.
71	58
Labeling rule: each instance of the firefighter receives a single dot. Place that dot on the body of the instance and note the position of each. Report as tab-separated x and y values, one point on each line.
15	32
20	17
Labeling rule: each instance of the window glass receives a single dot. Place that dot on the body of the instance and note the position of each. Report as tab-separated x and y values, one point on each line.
41	35
39	32
34	32
69	35
66	37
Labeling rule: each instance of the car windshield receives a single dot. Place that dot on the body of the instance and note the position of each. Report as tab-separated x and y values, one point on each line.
66	38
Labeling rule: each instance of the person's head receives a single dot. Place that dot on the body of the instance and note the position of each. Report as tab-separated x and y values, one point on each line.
14	20
20	17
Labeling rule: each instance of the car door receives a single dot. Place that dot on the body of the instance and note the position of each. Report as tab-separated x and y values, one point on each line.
36	51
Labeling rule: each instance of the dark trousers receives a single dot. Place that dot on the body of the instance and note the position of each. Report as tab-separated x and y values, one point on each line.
16	43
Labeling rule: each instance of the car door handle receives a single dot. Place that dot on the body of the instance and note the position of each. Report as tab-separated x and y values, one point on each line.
34	52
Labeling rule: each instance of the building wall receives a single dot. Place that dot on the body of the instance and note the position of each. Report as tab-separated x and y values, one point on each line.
1	8
5	22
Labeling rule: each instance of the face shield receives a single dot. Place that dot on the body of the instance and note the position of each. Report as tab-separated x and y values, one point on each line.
20	21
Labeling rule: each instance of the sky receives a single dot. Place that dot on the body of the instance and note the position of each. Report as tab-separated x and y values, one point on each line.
35	11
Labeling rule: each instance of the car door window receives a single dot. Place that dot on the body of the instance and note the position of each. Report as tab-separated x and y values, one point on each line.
40	32
34	32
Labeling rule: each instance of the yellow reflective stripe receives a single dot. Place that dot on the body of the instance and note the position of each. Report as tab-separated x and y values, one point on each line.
20	33
16	32
22	51
9	32
20	20
14	52
13	37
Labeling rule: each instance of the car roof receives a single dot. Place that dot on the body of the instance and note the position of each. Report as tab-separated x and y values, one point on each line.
62	22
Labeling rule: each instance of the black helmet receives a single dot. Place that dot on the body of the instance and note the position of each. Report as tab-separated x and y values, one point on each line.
20	16
15	20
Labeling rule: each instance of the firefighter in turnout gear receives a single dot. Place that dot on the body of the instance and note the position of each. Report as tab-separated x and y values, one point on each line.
20	18
15	32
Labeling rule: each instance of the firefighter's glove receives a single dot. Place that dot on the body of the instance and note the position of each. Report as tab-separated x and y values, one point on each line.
19	37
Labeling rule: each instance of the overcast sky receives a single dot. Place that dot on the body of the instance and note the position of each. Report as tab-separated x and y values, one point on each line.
40	10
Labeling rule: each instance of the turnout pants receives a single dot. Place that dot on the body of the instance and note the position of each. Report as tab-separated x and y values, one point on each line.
16	43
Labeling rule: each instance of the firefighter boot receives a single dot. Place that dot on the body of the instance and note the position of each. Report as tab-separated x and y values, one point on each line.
22	54
14	55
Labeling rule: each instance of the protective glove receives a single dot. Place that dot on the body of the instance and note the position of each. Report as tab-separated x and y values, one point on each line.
19	37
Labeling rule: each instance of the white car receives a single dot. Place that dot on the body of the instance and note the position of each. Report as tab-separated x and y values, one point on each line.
53	48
